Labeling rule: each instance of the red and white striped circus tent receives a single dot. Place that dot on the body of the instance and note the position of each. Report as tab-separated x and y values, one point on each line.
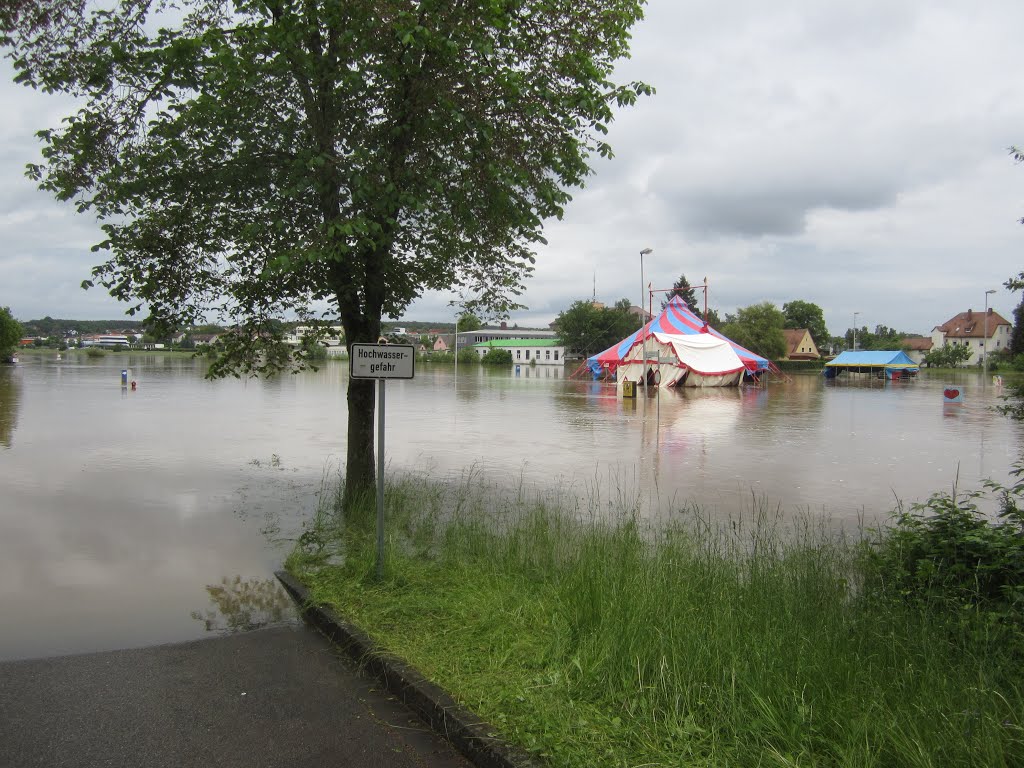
681	350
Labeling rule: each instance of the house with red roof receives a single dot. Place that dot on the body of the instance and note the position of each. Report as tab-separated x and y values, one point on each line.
979	331
917	347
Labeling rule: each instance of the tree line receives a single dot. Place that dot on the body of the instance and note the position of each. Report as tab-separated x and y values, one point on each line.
588	328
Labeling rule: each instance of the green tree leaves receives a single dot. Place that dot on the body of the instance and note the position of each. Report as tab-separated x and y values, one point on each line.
685	291
805	314
468	322
948	356
759	329
587	329
271	158
10	333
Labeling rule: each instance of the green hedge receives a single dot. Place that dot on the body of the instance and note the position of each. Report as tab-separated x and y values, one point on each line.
799	366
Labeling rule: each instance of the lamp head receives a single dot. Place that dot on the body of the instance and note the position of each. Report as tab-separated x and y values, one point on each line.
645	251
990	290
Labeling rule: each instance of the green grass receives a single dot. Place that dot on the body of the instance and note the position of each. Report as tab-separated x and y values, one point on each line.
591	639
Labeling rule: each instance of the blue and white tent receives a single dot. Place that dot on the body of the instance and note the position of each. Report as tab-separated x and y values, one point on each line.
891	363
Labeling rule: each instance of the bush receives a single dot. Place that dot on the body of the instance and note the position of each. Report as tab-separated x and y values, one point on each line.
497	357
800	366
314	352
949	356
946	551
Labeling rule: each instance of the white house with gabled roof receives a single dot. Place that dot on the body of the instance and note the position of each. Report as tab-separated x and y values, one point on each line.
968	329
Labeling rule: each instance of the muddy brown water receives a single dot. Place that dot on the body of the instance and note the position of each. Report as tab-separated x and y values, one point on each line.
132	517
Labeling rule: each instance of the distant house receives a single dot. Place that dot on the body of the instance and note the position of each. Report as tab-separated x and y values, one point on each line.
204	338
916	348
444	342
968	330
527	351
800	345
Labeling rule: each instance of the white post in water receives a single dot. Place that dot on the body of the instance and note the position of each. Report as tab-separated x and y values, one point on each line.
380	478
984	342
657	379
381	362
643	318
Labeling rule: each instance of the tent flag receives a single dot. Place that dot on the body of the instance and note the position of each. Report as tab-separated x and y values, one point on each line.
675	320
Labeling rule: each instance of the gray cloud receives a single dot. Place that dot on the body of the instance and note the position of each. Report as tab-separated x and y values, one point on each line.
847	153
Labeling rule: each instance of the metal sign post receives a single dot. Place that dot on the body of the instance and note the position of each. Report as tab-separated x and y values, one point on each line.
381	362
657	377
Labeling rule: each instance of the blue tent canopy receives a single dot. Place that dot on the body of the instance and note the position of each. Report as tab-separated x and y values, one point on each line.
888	362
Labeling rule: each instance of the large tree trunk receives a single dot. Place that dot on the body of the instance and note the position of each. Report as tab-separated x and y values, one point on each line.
360	478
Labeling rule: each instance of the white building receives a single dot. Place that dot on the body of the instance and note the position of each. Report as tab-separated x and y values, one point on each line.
108	341
465	339
333	337
968	329
527	351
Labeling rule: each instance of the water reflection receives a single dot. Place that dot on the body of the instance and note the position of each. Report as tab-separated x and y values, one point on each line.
10	398
549	372
240	605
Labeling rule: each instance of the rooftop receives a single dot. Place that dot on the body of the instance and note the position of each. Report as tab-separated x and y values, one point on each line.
500	343
971	324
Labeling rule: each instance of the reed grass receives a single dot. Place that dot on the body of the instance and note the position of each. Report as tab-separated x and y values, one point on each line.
591	638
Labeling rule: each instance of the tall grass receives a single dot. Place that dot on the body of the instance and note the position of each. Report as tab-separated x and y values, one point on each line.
597	641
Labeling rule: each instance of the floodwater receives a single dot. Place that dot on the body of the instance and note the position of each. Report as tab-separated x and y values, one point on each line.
132	517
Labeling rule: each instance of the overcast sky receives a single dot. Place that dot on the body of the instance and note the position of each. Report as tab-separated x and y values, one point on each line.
851	154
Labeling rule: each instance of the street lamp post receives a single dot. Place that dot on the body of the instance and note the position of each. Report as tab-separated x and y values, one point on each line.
643	319
855	330
984	341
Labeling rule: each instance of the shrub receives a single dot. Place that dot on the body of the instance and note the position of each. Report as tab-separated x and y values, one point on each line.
314	352
947	551
497	357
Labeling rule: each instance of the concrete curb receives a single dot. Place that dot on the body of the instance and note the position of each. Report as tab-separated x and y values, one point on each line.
475	739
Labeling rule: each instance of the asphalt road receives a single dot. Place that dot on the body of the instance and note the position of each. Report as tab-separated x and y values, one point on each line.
273	697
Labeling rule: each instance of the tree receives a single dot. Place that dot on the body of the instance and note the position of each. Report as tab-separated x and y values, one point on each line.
469	322
263	158
804	314
10	333
586	329
883	337
686	292
759	329
948	356
1017	334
